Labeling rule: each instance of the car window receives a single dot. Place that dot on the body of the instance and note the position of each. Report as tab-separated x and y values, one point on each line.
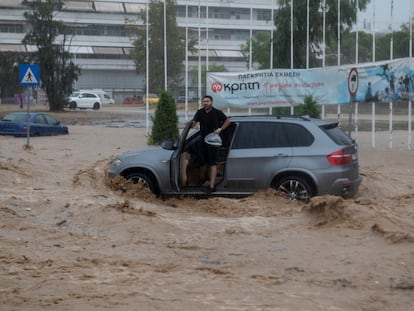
39	119
50	119
259	135
298	136
337	135
271	135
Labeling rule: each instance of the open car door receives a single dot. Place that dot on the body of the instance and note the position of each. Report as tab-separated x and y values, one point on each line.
175	167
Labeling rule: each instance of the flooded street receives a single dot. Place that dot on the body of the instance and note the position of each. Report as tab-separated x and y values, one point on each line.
71	240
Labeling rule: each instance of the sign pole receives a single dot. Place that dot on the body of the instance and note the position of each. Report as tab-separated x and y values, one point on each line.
28	123
351	107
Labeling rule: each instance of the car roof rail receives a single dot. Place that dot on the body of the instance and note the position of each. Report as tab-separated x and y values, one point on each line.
276	116
294	116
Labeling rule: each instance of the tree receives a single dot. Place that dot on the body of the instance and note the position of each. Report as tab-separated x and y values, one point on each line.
175	46
212	68
348	40
261	49
400	44
349	10
57	71
382	45
9	74
282	35
165	120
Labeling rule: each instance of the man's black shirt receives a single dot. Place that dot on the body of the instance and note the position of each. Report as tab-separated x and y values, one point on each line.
209	121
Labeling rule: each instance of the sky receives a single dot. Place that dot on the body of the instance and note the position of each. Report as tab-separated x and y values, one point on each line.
401	14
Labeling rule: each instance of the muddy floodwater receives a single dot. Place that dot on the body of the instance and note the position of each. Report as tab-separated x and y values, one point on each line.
72	240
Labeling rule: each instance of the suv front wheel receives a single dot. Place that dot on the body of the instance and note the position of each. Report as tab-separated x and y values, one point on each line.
143	179
295	188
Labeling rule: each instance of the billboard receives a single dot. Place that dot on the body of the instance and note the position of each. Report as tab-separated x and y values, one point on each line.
384	81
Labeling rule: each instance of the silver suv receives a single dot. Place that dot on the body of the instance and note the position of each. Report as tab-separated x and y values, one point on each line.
299	156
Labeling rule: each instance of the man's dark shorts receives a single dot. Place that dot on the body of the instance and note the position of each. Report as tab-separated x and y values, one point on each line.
208	154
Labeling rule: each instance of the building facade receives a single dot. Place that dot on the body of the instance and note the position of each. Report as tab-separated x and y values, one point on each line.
100	44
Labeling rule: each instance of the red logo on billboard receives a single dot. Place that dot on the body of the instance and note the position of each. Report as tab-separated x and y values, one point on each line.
216	87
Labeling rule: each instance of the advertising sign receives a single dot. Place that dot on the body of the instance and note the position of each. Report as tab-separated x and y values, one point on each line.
380	81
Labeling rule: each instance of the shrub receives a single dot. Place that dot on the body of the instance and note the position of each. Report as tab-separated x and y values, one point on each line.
280	110
309	107
165	120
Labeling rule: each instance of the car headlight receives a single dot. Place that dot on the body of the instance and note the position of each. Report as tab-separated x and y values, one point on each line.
117	162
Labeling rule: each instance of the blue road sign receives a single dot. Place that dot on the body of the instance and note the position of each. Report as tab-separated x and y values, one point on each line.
29	75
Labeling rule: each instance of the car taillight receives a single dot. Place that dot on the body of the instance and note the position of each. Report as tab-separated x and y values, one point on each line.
339	158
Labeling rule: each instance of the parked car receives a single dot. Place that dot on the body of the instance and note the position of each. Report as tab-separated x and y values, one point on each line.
40	124
152	99
299	156
105	97
180	99
134	100
84	100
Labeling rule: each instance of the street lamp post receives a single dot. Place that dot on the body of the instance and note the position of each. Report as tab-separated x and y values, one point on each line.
165	47
199	52
323	8
75	58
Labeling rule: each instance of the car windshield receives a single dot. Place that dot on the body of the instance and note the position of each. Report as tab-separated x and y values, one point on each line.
15	117
74	94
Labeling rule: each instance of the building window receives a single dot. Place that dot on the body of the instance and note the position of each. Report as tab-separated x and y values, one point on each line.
11	28
98	30
263	15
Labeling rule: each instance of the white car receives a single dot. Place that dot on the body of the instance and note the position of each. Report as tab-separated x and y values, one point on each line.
106	99
84	100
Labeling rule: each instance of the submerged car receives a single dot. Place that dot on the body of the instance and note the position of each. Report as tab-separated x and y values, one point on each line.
299	156
40	124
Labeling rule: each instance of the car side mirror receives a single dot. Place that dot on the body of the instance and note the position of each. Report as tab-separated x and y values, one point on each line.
168	144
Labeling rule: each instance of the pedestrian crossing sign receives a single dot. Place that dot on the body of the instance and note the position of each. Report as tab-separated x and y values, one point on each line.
29	75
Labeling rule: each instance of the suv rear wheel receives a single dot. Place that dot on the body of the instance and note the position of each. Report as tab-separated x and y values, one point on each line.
295	188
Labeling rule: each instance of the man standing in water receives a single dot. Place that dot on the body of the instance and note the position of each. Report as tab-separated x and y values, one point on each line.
211	120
